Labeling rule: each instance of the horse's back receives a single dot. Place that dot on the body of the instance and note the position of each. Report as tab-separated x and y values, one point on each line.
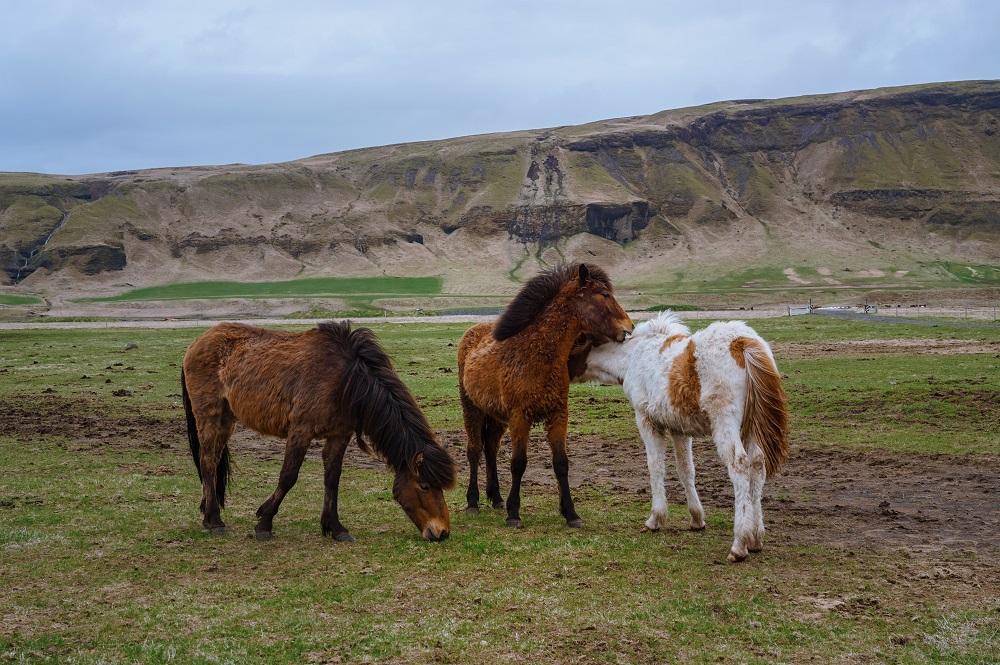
718	348
268	378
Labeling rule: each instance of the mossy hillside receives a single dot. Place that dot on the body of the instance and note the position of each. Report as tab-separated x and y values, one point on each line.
98	222
27	220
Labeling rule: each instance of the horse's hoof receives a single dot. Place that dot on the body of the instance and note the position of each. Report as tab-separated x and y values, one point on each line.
217	530
646	529
575	523
498	504
263	535
343	537
472	510
514	524
735	558
697	527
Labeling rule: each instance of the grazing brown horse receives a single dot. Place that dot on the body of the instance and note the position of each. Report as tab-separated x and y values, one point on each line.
326	383
516	373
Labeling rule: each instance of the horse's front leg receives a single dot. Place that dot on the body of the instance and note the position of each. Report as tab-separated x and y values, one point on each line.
473	418
655	461
492	433
520	428
556	432
295	451
333	462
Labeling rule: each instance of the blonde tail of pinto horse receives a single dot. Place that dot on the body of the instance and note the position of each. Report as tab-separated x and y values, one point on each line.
765	411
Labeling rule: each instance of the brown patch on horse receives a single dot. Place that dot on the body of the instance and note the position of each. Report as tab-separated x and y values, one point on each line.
765	411
683	384
737	349
538	292
670	340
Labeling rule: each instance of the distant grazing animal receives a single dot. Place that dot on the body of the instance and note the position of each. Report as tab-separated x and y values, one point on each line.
721	381
515	373
329	383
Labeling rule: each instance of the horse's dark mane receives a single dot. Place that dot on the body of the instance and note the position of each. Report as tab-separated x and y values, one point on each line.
539	292
384	409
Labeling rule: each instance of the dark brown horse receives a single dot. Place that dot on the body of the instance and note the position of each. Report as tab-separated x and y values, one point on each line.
326	383
516	373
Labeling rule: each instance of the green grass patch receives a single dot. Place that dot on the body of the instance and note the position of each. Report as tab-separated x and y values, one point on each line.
105	561
973	274
11	299
314	287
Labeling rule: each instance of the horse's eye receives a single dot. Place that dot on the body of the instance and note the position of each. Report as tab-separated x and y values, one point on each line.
425	487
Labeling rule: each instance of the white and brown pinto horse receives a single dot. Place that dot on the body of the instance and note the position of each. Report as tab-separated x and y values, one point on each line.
721	381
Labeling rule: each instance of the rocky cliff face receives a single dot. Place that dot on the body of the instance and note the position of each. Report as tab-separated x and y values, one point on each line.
895	177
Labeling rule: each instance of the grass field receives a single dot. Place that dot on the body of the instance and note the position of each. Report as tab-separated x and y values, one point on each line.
103	558
364	287
10	299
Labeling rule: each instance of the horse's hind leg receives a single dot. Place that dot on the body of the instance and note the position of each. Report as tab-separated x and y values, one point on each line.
295	451
333	462
492	433
474	419
215	426
733	455
556	432
685	471
520	429
758	474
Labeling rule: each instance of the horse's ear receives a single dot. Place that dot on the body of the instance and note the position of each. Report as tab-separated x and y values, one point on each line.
418	460
584	274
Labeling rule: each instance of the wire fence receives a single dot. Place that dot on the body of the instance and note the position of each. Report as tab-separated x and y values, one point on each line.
989	312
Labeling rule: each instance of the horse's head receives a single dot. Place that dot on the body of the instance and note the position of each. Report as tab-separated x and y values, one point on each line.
602	317
419	490
600	363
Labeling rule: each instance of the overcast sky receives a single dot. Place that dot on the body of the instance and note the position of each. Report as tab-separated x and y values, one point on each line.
96	86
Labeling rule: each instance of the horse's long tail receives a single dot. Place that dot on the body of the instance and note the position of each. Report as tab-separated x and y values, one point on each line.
384	410
223	470
765	412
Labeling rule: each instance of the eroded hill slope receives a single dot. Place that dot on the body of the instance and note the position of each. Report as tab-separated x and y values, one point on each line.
884	187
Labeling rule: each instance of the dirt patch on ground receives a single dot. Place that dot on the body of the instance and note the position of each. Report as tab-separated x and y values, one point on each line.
866	347
864	500
829	497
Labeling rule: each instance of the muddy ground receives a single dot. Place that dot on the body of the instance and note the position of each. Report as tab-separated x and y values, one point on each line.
920	504
868	347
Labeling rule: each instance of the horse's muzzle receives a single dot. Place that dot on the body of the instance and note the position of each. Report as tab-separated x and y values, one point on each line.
627	326
434	535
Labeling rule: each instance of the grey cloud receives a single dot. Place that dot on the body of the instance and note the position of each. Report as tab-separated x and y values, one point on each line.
101	86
